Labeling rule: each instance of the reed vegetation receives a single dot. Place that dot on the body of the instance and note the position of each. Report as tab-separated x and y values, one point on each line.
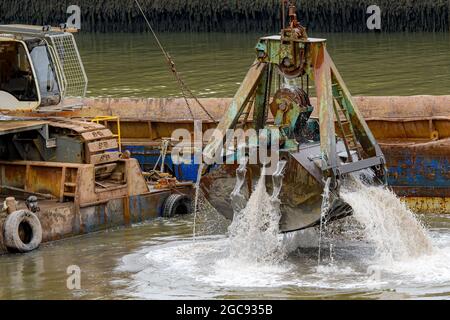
232	15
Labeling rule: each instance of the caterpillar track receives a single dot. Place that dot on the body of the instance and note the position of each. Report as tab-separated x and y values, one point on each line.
98	141
57	139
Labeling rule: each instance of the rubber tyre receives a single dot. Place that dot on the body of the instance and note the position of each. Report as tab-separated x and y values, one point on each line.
177	204
31	228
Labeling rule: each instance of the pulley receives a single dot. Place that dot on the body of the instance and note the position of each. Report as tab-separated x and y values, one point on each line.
288	99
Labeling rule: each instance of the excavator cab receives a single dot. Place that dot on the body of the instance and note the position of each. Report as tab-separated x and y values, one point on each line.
41	72
17	81
39	67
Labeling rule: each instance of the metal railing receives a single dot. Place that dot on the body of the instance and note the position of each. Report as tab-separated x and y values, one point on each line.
69	64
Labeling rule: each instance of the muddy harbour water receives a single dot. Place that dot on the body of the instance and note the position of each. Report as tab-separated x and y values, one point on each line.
382	252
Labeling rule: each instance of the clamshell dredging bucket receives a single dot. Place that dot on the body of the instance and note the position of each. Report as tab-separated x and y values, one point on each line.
301	192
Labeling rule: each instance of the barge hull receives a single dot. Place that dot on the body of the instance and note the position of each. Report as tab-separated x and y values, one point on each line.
72	201
64	220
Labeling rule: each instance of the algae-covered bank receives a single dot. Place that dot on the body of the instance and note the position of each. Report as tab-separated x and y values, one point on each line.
232	15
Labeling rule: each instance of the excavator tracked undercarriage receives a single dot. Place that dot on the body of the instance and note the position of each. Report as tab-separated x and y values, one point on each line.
40	68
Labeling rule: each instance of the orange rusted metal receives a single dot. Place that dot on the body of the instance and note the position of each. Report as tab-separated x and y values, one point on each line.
79	180
147	119
82	203
432	205
166	183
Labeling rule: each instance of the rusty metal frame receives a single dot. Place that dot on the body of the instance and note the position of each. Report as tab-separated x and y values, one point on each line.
236	108
70	180
105	120
331	92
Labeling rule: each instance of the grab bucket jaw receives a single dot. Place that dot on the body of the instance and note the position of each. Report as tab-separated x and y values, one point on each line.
343	144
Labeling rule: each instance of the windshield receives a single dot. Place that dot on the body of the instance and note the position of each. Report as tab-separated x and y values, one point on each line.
48	86
16	76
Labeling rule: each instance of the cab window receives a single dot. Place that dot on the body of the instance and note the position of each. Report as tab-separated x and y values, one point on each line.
16	76
45	73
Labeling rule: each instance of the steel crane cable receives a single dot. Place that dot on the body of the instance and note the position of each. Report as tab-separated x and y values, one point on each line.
171	63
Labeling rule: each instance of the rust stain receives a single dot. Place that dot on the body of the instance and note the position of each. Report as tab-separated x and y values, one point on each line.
126	210
428	205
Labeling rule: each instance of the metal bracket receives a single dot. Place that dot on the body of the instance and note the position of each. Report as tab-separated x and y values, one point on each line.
49	142
360	165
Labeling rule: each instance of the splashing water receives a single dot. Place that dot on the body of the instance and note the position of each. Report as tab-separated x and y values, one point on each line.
323	210
254	232
388	223
252	256
197	191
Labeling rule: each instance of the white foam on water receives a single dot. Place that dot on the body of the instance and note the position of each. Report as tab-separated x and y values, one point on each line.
426	269
397	253
394	230
251	256
204	269
234	273
186	269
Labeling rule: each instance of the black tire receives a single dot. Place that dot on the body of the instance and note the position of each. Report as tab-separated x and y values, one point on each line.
22	231
177	204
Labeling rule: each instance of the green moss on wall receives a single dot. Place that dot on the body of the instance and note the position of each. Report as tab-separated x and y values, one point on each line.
232	15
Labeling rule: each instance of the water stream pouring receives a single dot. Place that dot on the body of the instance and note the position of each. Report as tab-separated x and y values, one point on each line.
197	194
238	200
330	142
277	183
394	230
255	227
323	211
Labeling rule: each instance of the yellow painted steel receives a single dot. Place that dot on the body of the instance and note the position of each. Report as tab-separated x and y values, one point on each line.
432	205
105	120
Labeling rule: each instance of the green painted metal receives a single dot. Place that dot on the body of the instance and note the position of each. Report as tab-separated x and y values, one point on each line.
358	125
304	58
236	108
262	99
322	77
